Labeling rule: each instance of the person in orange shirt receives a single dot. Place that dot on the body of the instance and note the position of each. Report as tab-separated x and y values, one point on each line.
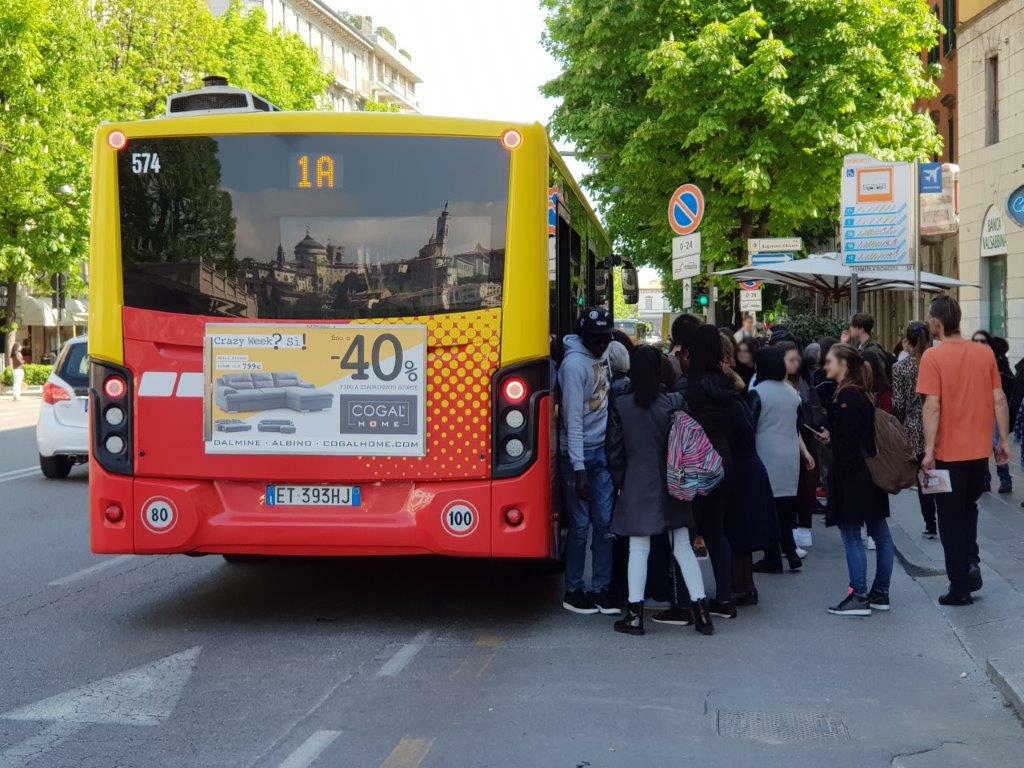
963	395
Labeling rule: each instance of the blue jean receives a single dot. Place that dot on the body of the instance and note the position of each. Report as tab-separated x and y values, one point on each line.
596	513
856	558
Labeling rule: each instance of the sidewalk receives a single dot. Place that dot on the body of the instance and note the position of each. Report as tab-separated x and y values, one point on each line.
991	630
15	414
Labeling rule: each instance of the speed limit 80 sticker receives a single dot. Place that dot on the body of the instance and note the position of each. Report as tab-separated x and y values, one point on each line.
459	518
159	514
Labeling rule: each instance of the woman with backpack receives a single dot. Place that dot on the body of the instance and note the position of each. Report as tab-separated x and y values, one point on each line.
645	508
854	500
711	398
907	407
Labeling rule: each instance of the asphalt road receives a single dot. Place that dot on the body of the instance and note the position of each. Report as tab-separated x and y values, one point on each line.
175	661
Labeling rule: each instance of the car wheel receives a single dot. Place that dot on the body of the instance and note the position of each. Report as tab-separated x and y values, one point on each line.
55	467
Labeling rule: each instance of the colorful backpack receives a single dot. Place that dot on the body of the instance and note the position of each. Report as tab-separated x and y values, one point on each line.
694	466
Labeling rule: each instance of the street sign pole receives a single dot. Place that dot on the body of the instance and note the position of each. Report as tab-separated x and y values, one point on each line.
854	298
712	297
917	240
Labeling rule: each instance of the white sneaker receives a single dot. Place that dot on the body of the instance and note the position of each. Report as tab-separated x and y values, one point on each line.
801	552
870	544
802	537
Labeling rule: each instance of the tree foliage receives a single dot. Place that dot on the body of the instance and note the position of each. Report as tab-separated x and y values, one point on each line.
66	65
756	101
47	82
277	65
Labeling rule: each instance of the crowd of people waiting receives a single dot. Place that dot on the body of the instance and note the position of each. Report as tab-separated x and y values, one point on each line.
795	430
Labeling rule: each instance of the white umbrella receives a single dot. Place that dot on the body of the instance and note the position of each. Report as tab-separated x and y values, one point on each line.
824	273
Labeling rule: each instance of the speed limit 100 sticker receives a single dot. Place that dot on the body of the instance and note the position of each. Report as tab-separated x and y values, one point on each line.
460	518
159	515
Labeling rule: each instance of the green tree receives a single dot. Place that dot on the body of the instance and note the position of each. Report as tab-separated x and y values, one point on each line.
150	50
623	311
275	64
48	75
380	106
756	101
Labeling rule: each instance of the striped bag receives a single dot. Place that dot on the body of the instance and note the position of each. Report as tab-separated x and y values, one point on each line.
694	466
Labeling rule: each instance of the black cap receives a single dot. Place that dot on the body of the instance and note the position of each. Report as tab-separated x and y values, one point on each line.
595	321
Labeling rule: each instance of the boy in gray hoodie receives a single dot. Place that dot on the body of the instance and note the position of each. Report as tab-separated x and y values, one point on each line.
583	381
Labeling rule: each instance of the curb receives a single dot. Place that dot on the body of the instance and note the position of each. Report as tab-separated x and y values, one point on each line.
1008	677
913	560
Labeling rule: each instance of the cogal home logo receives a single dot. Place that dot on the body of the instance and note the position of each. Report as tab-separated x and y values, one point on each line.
382	414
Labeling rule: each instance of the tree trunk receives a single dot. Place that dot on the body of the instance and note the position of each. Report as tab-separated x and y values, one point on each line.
7	318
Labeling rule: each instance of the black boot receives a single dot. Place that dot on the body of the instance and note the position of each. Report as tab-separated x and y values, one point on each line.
633	622
702	617
795	563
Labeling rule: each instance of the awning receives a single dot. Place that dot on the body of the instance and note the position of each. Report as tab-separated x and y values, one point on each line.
33	311
825	274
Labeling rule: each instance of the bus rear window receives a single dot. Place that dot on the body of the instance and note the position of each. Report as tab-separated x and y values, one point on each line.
313	226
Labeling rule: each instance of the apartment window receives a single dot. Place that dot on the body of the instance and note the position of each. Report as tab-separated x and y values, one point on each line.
648	302
992	100
938	129
949	39
950	138
933	52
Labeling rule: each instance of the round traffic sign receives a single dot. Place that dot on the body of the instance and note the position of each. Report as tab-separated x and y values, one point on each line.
459	518
159	514
686	209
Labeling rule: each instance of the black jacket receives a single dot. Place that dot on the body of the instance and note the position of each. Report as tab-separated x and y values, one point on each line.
853	497
710	401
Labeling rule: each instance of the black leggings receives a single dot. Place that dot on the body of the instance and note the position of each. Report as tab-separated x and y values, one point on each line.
709	514
785	508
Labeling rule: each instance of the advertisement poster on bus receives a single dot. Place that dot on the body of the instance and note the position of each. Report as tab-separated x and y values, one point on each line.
341	390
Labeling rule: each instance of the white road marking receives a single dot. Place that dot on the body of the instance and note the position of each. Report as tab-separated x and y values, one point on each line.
18	474
19	471
28	750
310	749
144	695
85	573
404	655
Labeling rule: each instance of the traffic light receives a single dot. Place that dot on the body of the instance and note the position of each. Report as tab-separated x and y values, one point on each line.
702	299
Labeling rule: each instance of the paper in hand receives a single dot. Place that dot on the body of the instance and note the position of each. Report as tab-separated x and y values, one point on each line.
936	481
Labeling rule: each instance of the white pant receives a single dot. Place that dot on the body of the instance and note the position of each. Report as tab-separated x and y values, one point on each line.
636	571
19	379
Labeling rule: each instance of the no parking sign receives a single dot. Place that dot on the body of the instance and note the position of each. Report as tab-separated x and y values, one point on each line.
686	209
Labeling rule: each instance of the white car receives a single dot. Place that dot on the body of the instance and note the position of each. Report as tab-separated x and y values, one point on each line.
62	433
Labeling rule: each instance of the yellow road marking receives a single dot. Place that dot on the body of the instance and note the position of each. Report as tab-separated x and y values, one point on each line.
490	641
479	659
408	753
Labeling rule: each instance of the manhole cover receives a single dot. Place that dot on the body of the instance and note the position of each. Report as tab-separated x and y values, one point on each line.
781	727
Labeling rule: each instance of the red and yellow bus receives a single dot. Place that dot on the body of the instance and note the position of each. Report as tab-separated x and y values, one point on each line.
330	333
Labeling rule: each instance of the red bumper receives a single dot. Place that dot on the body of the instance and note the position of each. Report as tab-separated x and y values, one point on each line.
394	518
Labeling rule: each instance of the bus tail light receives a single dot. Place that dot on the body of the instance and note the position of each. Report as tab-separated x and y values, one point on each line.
113	514
54	393
518	391
514	517
117	140
114	387
110	406
511	139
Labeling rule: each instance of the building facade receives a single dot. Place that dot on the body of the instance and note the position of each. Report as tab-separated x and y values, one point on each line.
365	61
991	86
